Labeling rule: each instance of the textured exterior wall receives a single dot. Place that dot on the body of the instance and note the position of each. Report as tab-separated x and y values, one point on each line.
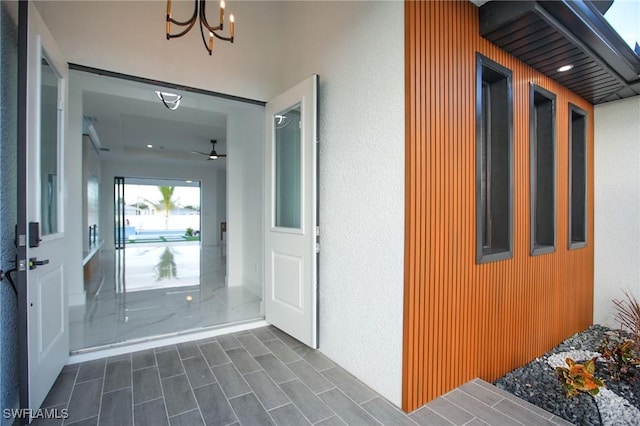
464	320
361	152
617	192
8	203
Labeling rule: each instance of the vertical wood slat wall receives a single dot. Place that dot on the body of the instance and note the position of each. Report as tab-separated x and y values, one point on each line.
463	320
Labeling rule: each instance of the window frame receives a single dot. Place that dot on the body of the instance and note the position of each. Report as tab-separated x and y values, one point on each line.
486	254
577	244
536	248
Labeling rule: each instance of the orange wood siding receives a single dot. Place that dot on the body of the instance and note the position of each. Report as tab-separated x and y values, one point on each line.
463	320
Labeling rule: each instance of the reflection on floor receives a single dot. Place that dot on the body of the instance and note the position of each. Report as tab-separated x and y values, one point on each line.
157	289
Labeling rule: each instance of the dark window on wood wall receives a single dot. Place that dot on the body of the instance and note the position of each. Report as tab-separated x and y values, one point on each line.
542	124
577	177
494	161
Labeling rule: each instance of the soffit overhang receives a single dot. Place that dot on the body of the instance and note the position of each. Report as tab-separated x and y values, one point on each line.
549	34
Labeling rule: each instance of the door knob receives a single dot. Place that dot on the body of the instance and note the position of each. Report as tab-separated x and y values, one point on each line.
34	262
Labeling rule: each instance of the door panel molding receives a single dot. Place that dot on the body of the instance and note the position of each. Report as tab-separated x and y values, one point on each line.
291	259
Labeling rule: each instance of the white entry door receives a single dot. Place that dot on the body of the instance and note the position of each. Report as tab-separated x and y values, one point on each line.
291	282
44	300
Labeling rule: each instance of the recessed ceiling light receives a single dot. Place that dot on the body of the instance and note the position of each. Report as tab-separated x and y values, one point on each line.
565	68
149	146
188	181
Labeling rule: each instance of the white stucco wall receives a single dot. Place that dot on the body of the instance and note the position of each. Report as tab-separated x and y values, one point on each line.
360	60
617	205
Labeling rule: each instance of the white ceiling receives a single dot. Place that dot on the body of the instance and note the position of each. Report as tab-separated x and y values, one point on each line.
127	116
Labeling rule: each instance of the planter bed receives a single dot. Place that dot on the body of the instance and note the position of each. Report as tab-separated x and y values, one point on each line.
617	404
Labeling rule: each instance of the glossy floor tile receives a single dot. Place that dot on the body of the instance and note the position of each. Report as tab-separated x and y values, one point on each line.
253	378
155	289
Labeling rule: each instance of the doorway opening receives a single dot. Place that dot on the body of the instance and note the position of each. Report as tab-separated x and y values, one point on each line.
161	257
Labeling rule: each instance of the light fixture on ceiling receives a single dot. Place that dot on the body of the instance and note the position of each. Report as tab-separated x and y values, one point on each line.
170	100
213	155
565	68
200	14
149	146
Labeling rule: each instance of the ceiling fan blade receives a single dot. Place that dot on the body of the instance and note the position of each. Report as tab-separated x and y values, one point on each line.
198	152
217	157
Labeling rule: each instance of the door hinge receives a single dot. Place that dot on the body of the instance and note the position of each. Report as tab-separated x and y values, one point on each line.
317	231
22	240
22	265
317	247
61	105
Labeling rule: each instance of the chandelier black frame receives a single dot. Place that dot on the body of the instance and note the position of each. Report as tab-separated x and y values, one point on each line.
200	13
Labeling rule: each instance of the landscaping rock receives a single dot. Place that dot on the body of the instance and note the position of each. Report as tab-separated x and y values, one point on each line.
537	383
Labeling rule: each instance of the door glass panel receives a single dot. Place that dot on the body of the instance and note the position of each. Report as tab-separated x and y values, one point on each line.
49	132
288	177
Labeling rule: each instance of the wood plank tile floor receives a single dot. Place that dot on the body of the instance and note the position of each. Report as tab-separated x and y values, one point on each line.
257	377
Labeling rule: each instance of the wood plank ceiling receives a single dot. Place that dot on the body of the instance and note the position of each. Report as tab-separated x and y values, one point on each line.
547	35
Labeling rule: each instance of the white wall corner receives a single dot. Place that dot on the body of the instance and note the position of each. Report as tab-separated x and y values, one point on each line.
73	211
617	206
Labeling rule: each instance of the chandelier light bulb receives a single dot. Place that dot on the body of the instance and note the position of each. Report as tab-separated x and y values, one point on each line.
199	16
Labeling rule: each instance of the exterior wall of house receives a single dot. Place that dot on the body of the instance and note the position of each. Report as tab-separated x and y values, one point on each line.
462	319
617	211
357	49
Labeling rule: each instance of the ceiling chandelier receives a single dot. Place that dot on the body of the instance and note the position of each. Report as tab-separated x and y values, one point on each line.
199	13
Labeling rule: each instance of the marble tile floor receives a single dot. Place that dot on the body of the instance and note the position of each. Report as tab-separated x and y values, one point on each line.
157	289
257	377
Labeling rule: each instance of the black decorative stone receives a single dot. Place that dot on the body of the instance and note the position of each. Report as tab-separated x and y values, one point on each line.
538	384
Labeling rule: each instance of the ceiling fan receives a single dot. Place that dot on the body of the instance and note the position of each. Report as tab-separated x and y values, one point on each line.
213	155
